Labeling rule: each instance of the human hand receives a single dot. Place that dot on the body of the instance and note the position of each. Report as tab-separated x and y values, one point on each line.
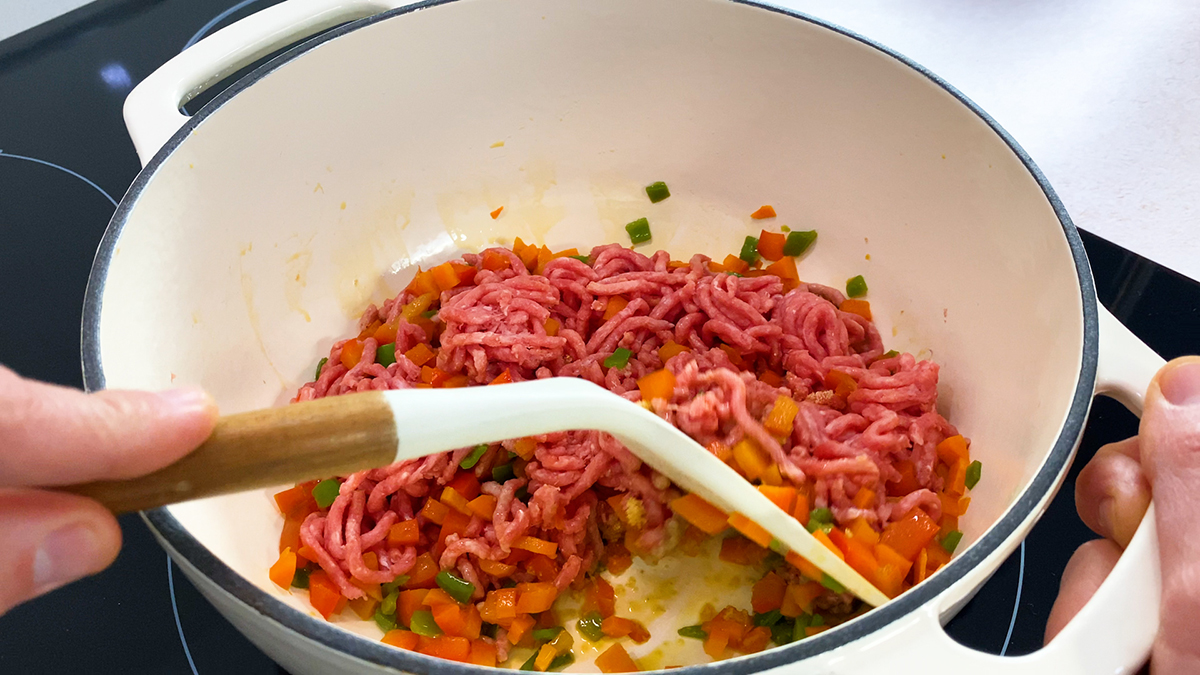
1112	494
52	435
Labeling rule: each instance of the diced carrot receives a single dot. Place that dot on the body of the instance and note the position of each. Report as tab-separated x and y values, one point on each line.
751	458
657	385
783	413
908	479
535	597
552	326
908	535
496	214
420	354
450	497
542	567
519	628
323	594
408	602
524	447
364	607
770	245
404	639
423	572
616	303
782	496
352	352
750	529
800	596
483	506
766	211
767	593
284	569
742	551
404	534
957	482
616	660
864	498
857	306
289	537
734	264
785	269
435	511
496	569
617	627
671	348
820	536
483	653
500	605
600	597
445	276
446	647
756	640
954	448
494	261
801	510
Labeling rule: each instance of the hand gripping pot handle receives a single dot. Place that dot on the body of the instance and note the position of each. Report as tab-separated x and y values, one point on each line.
152	109
1111	635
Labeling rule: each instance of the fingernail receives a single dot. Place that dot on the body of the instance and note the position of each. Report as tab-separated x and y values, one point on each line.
187	399
66	554
1180	385
1107	515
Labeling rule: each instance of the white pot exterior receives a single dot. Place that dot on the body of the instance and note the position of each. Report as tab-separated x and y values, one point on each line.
259	233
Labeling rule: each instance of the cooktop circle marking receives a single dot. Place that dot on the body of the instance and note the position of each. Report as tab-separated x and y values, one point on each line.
1016	603
64	169
178	624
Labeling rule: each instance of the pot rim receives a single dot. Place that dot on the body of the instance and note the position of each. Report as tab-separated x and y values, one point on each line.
174	536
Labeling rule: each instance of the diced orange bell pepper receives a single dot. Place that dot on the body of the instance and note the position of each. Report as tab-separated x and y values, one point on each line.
766	211
423	572
857	306
750	529
616	303
767	593
527	253
323	594
890	581
307	553
937	556
364	607
700	513
466	484
617	557
920	568
497	569
657	385
771	377
446	647
450	497
841	383
756	640
483	653
908	535
616	660
800	596
741	551
734	264
297	501
437	597
670	349
500	606
544	256
545	657
783	414
542	567
420	354
953	449
805	567
519	628
801	511
820	536
600	597
404	639
908	479
956	483
617	627
535	545
785	269
783	496
458	620
408	602
445	276
404	534
864	498
862	531
422	283
289	537
770	245
857	554
352	352
491	260
752	459
496	214
284	569
552	325
483	506
535	597
525	447
435	511
456	523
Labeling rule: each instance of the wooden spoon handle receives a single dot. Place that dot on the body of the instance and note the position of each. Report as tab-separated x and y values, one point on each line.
332	436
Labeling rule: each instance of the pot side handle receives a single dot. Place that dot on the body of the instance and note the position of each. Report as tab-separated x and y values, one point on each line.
152	109
1115	630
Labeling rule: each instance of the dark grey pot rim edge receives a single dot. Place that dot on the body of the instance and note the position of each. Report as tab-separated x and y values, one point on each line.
1043	484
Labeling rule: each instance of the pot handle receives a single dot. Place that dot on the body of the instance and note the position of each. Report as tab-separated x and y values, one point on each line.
151	110
1114	631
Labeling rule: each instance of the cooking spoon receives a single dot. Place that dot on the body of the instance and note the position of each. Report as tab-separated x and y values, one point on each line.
339	435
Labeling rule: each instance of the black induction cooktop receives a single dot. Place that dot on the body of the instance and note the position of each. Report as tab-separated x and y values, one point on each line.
65	160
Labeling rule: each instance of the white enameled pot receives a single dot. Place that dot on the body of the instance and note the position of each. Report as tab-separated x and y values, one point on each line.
262	226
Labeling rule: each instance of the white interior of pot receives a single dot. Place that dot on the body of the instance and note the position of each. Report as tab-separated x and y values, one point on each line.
319	189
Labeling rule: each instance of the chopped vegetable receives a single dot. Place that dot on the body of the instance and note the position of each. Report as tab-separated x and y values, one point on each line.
351	353
856	287
384	621
766	211
752	459
422	623
535	545
749	250
472	459
657	385
951	541
798	242
618	359
616	660
323	595
891	354
859	307
585	259
284	569
750	529
781	633
326	492
785	269
639	231
694	632
908	535
530	663
546	634
536	597
974	473
657	192
300	578
768	619
822	516
458	588
385	355
770	245
403	639
503	473
670	349
562	661
832	584
496	214
767	594
320	365
783	414
388	604
590	626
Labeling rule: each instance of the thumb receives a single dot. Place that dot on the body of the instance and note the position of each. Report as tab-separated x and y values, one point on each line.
1170	446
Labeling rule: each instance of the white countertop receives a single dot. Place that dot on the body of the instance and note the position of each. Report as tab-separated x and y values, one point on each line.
1103	94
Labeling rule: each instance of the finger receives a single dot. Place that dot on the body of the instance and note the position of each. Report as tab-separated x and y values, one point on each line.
54	435
51	539
1086	570
1112	493
1170	444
